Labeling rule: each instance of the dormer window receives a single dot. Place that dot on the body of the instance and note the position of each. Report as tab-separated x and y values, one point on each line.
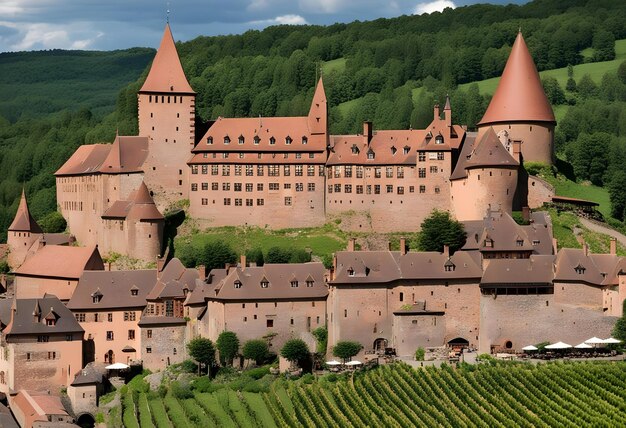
294	283
241	139
355	149
449	266
257	140
226	140
393	150
51	322
489	243
237	284
519	242
370	155
580	270
535	242
209	141
265	283
350	272
305	140
406	150
185	291
272	141
288	140
97	296
134	291
309	284
439	139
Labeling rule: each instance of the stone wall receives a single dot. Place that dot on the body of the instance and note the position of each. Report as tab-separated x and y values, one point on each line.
162	345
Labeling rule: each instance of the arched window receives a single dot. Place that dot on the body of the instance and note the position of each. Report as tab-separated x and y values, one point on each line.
241	139
439	139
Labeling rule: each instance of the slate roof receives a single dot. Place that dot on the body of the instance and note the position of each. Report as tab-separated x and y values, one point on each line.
534	270
174	278
22	321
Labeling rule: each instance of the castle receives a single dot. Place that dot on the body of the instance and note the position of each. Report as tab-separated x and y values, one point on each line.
509	286
285	172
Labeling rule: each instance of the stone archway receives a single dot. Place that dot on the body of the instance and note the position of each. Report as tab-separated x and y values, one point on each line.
380	344
109	357
85	420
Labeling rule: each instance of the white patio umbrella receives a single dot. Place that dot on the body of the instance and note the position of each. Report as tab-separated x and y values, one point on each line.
611	340
530	348
333	363
353	363
559	345
594	341
117	366
583	346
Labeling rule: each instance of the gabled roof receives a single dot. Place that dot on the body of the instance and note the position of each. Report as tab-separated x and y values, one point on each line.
534	270
572	264
126	155
489	151
279	277
23	221
23	320
114	287
166	73
85	160
61	261
174	278
139	205
519	95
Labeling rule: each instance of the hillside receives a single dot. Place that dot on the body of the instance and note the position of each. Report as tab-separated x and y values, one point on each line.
35	84
395	69
545	395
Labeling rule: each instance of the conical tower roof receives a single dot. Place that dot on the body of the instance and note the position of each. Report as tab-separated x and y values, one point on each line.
23	221
318	112
166	73
519	96
143	207
489	151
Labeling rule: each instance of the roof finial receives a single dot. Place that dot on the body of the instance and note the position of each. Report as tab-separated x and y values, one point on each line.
519	30
167	13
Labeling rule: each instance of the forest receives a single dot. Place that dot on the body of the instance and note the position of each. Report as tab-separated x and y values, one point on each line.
390	71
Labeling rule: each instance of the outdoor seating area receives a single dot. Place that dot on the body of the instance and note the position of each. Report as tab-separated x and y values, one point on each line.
594	347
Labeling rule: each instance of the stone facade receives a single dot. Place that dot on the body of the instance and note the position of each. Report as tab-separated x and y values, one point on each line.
163	344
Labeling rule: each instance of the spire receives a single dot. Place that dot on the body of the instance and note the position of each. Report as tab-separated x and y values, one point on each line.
318	114
519	96
23	221
447	106
166	73
143	207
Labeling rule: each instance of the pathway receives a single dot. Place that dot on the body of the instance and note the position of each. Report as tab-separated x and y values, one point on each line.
600	228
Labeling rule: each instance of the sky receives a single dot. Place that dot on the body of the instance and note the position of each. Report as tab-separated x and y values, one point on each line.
119	24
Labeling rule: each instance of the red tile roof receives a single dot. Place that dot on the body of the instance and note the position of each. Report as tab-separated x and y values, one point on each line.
61	261
85	160
139	205
520	95
23	221
166	73
489	151
126	154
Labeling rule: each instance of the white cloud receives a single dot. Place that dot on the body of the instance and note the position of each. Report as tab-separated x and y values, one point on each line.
433	6
49	36
281	20
322	6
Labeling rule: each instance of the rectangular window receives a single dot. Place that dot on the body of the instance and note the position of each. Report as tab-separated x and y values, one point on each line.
148	350
400	190
437	190
225	169
337	171
389	172
421	156
440	156
411	189
215	186
205	201
226	186
348	171
205	186
421	172
288	200
238	202
368	189
274	186
299	170
249	202
259	187
194	187
287	170
287	186
43	338
359	189
131	334
310	170
260	202
330	188
259	170
311	187
110	317
237	187
215	169
194	169
249	187
377	189
205	169
321	170
109	335
249	170
359	172
80	317
129	316
377	173
433	169
337	188
299	187
389	188
269	323
149	334
348	188
400	172
422	189
226	201
237	169
273	170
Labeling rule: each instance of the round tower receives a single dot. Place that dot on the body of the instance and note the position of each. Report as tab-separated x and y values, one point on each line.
22	233
145	226
520	107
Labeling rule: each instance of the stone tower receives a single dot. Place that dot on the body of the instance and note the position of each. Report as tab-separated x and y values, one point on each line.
22	233
520	109
167	118
318	115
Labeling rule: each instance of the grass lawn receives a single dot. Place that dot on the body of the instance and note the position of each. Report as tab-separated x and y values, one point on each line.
338	65
347	107
595	69
571	189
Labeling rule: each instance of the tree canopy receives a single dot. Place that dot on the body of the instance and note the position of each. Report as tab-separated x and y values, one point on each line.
228	346
441	229
255	349
203	351
346	349
295	350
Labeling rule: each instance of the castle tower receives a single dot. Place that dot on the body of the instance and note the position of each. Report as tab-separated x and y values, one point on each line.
22	233
318	115
167	118
145	226
489	181
520	107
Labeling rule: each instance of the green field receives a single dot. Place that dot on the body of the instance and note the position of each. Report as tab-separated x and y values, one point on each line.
595	69
501	395
338	65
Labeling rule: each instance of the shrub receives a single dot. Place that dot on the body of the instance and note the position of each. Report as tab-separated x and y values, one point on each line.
420	353
321	337
255	349
295	350
228	346
440	229
307	379
258	373
53	222
346	349
180	391
189	366
278	255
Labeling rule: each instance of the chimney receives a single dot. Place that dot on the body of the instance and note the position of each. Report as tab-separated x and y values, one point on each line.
243	262
526	214
389	245
585	248
447	112
109	266
436	113
446	251
613	246
367	132
160	265
555	246
402	245
517	149
351	244
202	271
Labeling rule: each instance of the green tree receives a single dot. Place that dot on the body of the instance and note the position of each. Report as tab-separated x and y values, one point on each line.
571	83
203	351
255	349
439	229
300	256
618	195
53	222
586	87
295	351
228	346
621	72
255	255
278	255
215	255
346	349
553	90
619	330
603	45
321	337
420	353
